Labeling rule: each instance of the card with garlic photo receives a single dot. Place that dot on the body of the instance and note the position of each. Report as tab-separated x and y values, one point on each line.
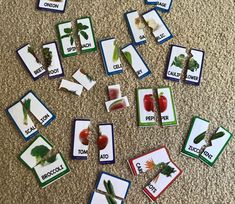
52	5
136	61
84	79
159	28
86	35
195	140
162	5
71	86
98	198
216	146
35	152
37	108
169	173
52	60
81	133
105	143
50	170
150	161
135	27
194	67
31	62
111	56
117	104
66	39
176	62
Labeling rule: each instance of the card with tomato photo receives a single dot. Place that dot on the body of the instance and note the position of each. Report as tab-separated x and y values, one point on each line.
169	173
146	107
114	92
166	106
81	135
106	144
161	5
117	104
52	5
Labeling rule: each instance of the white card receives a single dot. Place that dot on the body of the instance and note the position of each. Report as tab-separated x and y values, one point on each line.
136	27
162	5
84	79
98	198
52	60
31	62
81	139
136	61
159	28
52	5
111	56
114	92
71	86
117	104
106	144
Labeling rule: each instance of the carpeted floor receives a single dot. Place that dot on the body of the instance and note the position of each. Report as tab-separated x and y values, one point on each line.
208	25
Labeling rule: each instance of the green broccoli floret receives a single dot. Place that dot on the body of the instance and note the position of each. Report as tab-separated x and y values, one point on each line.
39	152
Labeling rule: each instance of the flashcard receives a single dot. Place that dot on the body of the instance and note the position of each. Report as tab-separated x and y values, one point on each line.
166	106
117	104
162	181
31	62
71	86
114	92
176	62
194	67
136	61
52	60
98	198
33	104
113	185
52	5
84	79
51	170
111	56
105	144
195	140
81	134
150	161
136	27
35	152
162	5
86	35
146	107
20	116
66	38
159	28
217	143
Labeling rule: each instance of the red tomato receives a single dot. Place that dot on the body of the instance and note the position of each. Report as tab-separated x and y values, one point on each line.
102	142
83	136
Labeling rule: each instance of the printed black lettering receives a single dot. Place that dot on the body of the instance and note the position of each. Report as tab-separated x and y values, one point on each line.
51	5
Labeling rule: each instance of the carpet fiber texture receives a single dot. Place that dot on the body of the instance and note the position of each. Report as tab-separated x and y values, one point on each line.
207	25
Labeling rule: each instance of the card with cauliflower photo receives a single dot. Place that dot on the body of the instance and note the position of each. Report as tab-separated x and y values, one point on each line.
52	5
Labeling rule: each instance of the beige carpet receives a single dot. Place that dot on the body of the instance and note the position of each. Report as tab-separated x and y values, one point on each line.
208	25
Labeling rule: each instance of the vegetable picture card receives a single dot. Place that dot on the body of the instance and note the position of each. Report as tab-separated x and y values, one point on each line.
86	35
66	39
105	144
51	170
35	152
19	115
176	62
71	86
113	185
136	61
81	134
84	79
195	66
52	5
150	161
195	140
114	92
146	107
159	28
52	60
162	181
111	56
216	145
99	198
117	104
162	5
37	108
136	27
166	106
31	62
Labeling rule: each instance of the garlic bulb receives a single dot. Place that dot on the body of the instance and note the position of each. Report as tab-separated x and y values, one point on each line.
152	24
139	23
